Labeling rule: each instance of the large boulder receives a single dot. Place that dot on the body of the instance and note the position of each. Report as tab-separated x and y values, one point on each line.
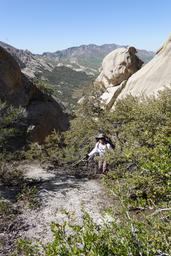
118	66
153	77
43	112
10	74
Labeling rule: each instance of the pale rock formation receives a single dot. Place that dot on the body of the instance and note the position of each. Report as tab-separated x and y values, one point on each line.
110	95
121	74
118	66
153	77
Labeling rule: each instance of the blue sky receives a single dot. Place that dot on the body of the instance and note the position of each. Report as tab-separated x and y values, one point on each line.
49	25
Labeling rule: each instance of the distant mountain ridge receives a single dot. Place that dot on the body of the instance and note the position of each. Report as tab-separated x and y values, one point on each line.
87	58
82	63
30	63
91	56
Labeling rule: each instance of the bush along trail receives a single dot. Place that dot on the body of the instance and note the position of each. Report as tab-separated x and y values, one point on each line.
50	196
55	208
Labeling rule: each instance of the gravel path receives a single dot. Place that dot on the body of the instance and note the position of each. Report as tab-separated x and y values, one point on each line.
59	190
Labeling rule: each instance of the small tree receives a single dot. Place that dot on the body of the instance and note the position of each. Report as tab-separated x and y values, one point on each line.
44	86
10	127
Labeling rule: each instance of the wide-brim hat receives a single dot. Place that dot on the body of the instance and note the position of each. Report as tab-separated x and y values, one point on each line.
100	136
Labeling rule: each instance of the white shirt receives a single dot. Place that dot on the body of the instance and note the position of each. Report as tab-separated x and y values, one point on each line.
99	149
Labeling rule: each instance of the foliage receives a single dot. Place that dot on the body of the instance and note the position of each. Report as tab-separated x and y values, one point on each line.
65	82
34	151
51	150
5	209
123	238
53	147
12	138
141	130
139	178
10	174
28	196
9	125
44	86
83	128
142	157
26	248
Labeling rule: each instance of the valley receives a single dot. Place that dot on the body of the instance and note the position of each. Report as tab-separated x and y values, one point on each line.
69	72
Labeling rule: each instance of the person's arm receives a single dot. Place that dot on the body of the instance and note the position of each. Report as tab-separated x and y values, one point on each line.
94	151
108	146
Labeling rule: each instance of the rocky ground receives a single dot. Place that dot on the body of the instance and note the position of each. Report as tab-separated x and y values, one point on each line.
57	190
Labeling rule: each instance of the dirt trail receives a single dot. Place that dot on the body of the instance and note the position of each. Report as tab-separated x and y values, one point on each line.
59	190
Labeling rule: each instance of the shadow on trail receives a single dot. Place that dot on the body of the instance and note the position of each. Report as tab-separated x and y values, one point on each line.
58	189
9	192
62	181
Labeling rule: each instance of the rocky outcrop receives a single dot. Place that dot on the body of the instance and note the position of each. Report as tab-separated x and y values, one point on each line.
154	76
121	74
43	112
30	63
12	81
111	94
117	67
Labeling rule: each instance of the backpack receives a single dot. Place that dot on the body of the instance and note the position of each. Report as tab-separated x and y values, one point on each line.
108	140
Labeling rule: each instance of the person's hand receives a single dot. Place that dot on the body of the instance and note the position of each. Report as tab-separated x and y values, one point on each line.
87	157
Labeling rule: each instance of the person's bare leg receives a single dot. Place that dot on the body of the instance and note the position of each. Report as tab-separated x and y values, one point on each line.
104	167
100	166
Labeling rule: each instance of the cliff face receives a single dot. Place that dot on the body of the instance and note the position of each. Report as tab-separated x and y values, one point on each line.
123	75
117	67
43	112
154	76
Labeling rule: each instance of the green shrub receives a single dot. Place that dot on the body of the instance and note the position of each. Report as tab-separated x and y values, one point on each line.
121	238
44	86
79	139
28	197
5	207
10	174
141	161
141	130
26	248
50	151
34	151
9	126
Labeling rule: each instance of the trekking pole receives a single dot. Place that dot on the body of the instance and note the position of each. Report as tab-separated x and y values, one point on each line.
82	159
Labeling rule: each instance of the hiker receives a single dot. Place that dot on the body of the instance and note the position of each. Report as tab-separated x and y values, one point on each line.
102	144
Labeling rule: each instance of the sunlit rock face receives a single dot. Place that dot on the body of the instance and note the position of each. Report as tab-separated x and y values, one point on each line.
122	74
154	76
118	66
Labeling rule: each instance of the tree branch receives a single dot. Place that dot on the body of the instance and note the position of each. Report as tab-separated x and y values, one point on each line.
160	210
